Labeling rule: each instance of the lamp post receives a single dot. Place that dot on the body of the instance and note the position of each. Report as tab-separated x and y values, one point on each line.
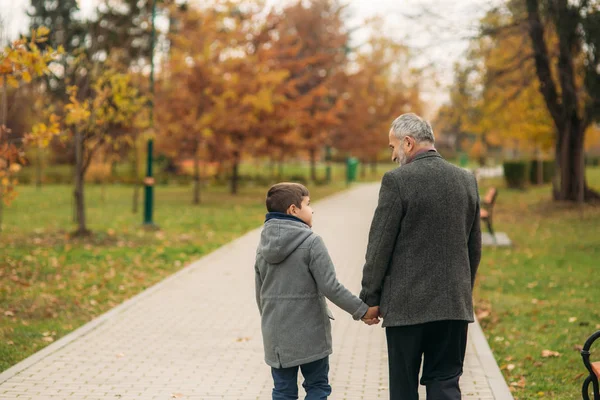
149	179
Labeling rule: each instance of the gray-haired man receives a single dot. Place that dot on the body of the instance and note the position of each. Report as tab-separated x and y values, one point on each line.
423	253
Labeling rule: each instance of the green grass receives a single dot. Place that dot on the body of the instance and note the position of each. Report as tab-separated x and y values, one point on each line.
50	284
544	293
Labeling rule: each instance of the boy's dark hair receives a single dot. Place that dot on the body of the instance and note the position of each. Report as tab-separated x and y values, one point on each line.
282	195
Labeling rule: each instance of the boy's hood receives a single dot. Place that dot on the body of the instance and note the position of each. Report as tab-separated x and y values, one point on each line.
280	237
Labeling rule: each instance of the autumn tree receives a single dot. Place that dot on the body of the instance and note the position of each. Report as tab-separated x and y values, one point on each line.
190	79
66	31
21	62
550	47
573	103
382	87
109	116
311	42
252	87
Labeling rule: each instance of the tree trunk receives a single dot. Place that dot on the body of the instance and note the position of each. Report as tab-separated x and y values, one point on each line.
280	168
313	165
572	169
374	167
1	208
235	173
38	169
196	199
79	186
272	167
73	202
4	109
363	169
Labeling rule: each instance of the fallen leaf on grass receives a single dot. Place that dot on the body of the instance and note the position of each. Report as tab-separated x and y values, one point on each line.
483	314
9	313
520	384
550	353
48	339
572	319
510	367
578	377
578	347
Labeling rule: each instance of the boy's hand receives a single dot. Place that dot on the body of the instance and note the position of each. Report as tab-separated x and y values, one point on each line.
372	315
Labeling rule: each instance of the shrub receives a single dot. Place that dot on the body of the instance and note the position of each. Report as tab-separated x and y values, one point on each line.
516	174
548	168
592	161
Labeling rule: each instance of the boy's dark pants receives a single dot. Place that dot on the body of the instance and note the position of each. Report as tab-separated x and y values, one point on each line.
442	344
316	381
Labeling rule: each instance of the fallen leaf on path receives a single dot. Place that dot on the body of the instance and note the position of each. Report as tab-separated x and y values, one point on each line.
242	339
120	355
177	395
550	353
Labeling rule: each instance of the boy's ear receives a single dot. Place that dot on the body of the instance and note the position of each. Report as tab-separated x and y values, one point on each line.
291	209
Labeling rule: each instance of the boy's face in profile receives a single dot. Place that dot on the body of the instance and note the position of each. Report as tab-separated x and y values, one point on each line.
305	213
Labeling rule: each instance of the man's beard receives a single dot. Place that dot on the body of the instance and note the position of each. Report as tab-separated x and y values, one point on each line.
401	158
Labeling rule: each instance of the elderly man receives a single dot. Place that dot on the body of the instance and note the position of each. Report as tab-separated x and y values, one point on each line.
423	253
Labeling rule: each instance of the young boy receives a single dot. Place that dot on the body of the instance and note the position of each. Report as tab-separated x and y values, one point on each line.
294	274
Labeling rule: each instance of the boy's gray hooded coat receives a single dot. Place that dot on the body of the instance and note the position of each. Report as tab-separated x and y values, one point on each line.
294	274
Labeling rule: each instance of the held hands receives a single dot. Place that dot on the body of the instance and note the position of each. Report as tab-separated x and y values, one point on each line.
372	315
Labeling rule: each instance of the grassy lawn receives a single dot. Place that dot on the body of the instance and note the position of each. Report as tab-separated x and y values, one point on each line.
50	284
544	293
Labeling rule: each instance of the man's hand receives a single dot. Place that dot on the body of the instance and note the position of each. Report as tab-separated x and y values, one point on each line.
372	315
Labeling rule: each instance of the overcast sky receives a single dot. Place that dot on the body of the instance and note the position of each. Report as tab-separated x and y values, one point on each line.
436	30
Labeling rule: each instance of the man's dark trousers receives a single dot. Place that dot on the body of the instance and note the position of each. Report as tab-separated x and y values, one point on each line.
441	344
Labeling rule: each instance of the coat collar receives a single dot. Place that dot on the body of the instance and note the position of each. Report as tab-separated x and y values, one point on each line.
283	216
426	154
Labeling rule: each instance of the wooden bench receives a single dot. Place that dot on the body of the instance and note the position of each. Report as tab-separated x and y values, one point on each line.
592	367
488	207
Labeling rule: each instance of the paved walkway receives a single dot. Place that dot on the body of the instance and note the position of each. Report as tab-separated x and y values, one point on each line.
196	335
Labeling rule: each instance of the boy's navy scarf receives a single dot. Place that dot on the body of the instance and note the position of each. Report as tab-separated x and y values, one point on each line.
278	215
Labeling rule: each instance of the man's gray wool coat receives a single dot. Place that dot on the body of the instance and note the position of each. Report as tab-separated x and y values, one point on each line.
424	244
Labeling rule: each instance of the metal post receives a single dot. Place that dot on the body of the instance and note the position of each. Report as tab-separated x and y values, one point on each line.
328	163
149	180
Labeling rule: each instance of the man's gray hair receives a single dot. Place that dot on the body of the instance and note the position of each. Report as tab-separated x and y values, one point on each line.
414	126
